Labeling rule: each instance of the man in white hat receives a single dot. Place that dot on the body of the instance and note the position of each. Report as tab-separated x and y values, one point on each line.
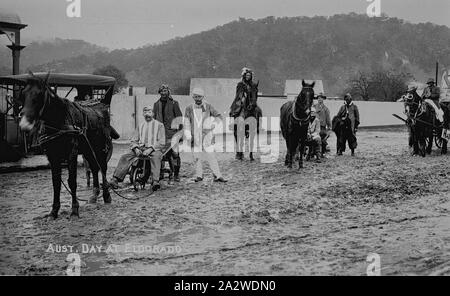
198	129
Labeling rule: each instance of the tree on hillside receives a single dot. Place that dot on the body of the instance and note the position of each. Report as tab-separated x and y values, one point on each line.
113	71
381	85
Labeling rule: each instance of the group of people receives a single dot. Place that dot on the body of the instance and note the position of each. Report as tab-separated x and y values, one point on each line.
320	126
161	133
164	127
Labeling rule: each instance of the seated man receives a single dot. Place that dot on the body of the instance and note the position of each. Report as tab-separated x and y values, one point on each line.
148	140
314	141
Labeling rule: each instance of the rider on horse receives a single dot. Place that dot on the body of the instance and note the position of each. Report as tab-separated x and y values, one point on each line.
243	107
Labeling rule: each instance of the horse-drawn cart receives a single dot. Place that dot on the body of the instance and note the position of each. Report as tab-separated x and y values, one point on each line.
85	89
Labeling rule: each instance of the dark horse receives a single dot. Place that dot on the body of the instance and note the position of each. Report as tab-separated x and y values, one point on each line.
246	114
294	121
421	119
66	129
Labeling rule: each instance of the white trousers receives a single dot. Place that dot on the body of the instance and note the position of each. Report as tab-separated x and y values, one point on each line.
209	156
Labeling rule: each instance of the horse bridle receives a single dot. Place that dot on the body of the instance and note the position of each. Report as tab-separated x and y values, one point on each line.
306	119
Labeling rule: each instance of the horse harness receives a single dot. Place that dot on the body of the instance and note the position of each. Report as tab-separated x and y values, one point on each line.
73	130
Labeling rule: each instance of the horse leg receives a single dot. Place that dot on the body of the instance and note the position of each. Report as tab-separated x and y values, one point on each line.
88	172
72	168
251	139
302	152
105	187
55	164
444	147
291	149
95	186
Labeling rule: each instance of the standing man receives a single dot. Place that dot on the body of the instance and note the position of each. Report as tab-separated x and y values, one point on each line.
444	102
431	92
148	140
199	126
323	113
348	111
168	111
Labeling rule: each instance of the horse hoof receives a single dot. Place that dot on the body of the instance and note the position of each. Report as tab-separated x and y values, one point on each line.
92	200
51	216
289	166
107	199
74	215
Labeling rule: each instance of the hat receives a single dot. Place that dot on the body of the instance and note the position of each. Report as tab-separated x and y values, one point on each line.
430	80
162	87
246	70
147	108
348	95
412	87
321	95
197	91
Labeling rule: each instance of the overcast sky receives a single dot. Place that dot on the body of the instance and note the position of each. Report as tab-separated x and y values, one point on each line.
133	23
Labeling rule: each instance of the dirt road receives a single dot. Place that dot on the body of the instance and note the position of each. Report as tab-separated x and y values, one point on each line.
267	220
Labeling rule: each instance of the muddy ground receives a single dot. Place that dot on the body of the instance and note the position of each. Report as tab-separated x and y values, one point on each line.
267	220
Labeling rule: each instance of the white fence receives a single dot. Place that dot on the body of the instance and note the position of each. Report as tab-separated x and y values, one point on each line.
126	111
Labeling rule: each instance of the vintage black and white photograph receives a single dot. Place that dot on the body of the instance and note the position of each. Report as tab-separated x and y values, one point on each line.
225	138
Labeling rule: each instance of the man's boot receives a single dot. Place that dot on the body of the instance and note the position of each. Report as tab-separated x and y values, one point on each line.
114	183
156	186
176	174
251	156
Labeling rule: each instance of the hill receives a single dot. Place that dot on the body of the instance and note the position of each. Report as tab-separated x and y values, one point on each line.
327	48
40	52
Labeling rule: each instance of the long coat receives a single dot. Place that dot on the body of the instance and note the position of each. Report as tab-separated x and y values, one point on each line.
353	114
171	111
208	111
244	91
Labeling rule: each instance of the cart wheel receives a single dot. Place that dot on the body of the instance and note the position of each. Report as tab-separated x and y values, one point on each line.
137	174
438	141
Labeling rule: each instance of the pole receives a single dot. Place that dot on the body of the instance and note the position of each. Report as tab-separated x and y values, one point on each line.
437	71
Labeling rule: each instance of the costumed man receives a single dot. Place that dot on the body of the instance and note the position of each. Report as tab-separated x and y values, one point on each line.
323	113
444	102
198	129
148	140
314	140
348	111
244	106
431	95
167	110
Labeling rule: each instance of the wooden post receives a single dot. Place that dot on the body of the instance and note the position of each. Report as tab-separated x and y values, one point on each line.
437	71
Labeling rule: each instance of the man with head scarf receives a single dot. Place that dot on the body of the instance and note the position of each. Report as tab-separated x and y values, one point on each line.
198	128
148	140
348	111
167	110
